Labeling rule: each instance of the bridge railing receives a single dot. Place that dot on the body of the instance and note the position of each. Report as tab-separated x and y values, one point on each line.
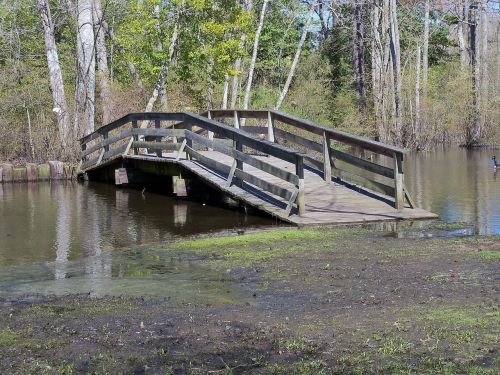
190	134
324	148
121	136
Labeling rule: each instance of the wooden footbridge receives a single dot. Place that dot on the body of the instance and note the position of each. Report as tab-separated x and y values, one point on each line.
290	168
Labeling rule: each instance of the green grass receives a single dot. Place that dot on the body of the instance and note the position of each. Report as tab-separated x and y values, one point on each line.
249	249
258	238
7	337
488	255
395	346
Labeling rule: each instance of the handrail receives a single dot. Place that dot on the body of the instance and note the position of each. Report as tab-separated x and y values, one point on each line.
398	191
188	120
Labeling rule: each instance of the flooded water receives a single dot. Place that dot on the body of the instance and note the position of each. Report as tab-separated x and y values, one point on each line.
58	238
459	185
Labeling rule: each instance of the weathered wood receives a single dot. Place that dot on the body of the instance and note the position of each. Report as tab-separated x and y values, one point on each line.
248	159
246	140
311	162
297	139
210	134
231	174
180	187
292	200
114	152
369	183
409	198
121	176
363	164
129	145
104	141
136	137
270	127
56	170
133	117
19	174
254	129
337	135
266	182
327	165
156	145
31	174
399	197
263	184
1	174
7	172
101	155
43	172
158	132
181	149
221	167
250	113
299	170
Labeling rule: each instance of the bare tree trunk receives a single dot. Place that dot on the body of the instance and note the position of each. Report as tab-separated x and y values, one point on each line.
251	69
60	107
162	76
386	72
417	134
358	53
484	54
376	63
130	66
396	66
30	134
105	95
474	129
425	68
235	83
225	92
85	97
295	61
461	35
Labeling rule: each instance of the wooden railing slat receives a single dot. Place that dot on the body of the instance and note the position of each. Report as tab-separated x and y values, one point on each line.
248	159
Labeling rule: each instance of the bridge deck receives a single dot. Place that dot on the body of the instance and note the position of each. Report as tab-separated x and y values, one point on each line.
286	180
326	203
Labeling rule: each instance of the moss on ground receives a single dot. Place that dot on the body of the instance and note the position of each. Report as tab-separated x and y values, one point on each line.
314	301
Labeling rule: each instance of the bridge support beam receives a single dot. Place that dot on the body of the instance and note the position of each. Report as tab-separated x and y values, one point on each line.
270	127
299	170
399	194
327	165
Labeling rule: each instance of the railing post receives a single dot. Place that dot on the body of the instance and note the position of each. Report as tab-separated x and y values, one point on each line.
327	165
236	126
270	127
136	138
210	134
299	170
104	137
399	195
84	147
158	138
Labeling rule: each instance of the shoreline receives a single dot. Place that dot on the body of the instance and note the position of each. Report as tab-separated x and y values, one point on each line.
314	301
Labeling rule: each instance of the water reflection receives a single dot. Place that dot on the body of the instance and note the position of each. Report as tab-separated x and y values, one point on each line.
457	184
60	237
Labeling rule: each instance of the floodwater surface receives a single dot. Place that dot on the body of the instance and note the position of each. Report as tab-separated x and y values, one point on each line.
68	237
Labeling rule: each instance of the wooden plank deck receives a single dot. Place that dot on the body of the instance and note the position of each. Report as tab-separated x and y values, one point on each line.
326	202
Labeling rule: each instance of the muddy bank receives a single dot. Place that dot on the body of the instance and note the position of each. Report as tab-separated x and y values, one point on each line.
309	302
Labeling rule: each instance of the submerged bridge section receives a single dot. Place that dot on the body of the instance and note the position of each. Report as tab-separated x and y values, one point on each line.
293	169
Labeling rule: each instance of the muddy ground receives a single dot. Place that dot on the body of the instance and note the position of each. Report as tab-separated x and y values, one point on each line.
321	301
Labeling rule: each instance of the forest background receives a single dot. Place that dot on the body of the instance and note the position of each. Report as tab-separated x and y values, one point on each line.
414	73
